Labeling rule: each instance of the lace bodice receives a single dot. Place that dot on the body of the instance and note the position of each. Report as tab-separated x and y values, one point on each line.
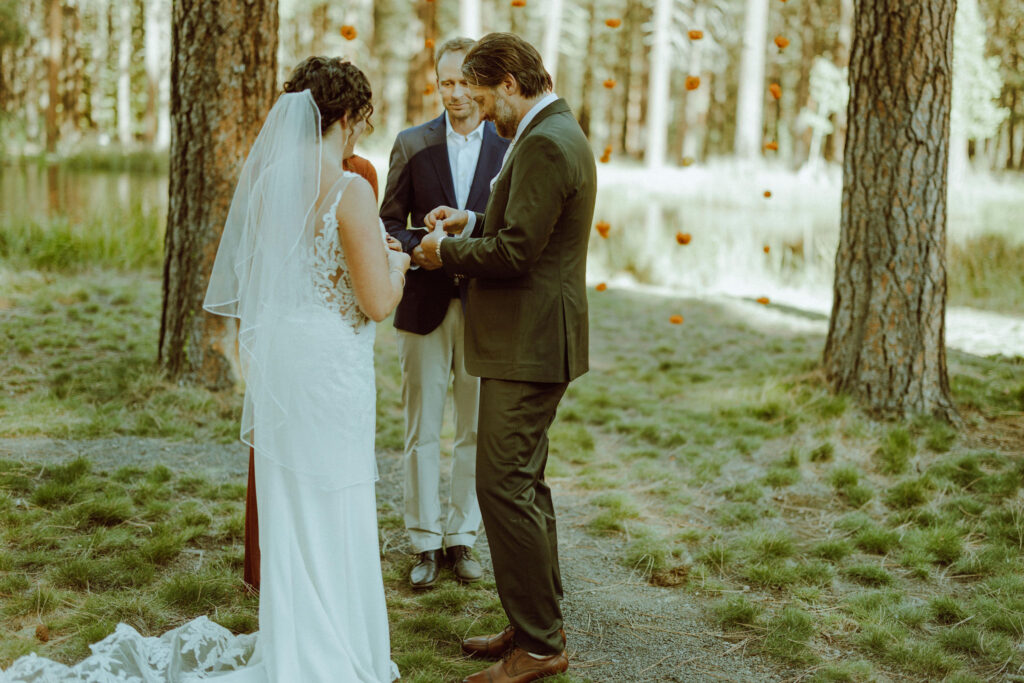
332	281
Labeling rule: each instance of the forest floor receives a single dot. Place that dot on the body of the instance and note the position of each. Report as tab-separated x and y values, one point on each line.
722	515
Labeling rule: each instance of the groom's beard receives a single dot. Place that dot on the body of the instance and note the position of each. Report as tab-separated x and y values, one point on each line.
505	120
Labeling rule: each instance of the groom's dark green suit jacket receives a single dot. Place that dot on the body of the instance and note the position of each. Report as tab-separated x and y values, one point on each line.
526	311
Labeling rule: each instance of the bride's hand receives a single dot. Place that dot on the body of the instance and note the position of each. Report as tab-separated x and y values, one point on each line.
393	244
398	260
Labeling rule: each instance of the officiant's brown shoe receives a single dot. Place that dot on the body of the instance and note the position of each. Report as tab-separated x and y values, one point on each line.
424	573
519	666
465	567
495	646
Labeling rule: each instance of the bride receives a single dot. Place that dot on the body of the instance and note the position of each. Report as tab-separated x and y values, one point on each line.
303	266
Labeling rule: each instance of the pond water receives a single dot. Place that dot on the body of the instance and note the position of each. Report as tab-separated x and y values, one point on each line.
741	242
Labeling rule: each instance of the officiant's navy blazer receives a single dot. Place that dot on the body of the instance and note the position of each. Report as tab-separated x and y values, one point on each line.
420	180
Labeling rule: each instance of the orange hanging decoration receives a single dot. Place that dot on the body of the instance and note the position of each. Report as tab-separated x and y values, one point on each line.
601	287
519	3
349	32
775	90
692	82
696	35
613	23
764	301
767	194
610	83
676	319
767	249
429	43
607	156
782	42
773	146
429	90
683	237
602	229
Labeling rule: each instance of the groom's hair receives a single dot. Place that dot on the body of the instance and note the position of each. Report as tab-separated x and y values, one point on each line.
498	54
453	45
338	87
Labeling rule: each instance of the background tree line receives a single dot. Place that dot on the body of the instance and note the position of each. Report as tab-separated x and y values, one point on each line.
83	73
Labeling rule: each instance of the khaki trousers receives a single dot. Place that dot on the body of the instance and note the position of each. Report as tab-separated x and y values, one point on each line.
428	361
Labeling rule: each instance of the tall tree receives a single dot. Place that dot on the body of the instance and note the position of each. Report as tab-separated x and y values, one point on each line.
660	82
419	83
54	20
124	78
886	340
223	82
750	103
469	18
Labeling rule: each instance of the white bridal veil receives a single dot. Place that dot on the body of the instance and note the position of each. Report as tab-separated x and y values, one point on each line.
263	276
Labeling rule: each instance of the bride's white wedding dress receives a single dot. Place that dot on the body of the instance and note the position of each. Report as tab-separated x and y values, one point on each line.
310	405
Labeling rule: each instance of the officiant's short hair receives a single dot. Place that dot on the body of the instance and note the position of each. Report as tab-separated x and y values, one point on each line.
498	54
453	45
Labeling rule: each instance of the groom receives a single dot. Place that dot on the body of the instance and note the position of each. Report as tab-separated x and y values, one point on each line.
526	336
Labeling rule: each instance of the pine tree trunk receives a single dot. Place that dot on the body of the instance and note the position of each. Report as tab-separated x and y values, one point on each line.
124	82
838	136
587	85
223	82
886	341
750	101
552	36
469	18
421	68
660	83
54	24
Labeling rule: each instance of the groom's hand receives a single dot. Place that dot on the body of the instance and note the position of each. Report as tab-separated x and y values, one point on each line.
454	220
428	246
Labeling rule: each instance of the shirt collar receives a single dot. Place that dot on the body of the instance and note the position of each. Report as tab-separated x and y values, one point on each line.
477	132
532	114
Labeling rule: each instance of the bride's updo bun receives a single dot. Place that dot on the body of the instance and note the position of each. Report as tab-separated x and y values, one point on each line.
338	87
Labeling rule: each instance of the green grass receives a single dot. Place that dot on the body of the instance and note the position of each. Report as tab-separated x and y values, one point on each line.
708	457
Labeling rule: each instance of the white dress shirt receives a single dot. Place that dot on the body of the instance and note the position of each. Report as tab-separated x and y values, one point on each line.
463	155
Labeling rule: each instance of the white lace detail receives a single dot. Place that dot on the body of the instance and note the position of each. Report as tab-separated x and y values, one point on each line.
331	278
198	650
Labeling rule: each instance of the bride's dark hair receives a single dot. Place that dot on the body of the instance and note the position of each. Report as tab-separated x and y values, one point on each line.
338	87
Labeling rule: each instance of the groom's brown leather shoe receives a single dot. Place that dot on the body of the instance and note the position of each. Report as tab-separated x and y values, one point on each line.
424	573
495	646
519	666
492	646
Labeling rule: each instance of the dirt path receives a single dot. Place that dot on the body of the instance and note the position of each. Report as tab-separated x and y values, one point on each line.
620	628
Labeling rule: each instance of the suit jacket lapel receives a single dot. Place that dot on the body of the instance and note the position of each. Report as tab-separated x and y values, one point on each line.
559	106
488	163
437	146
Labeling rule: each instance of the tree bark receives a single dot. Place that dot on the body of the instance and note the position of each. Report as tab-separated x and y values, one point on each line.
124	79
421	68
886	341
587	85
660	82
54	24
750	103
552	36
223	82
838	136
469	19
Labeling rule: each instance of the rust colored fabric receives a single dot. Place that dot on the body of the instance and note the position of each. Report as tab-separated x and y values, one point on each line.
357	164
251	563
